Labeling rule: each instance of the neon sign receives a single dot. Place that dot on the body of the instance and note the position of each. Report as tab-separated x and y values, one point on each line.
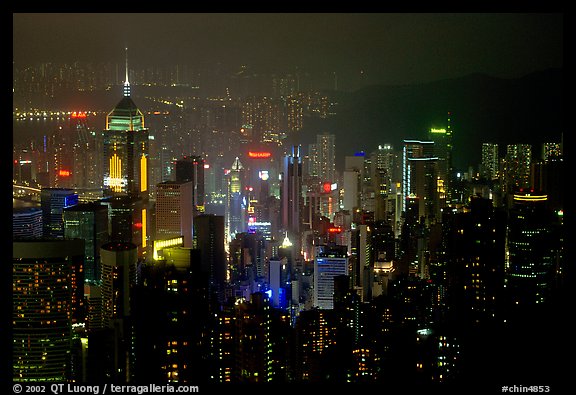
78	115
259	154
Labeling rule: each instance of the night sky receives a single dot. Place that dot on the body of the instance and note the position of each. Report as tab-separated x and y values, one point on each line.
370	48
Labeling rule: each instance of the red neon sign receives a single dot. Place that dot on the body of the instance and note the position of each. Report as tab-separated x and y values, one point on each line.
64	173
78	115
326	187
335	229
259	154
138	225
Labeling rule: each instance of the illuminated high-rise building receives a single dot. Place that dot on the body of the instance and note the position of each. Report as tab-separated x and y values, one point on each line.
236	200
53	201
419	177
126	147
174	210
362	261
316	332
43	309
119	261
548	176
326	153
353	181
329	263
469	270
291	192
26	223
490	161
88	221
442	138
517	167
171	294
551	150
382	176
532	250
192	169
254	340
294	113
277	286
118	279
129	221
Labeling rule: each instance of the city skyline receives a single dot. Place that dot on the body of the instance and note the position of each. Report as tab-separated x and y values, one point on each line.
392	225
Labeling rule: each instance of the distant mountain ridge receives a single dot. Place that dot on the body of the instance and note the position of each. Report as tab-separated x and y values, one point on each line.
484	109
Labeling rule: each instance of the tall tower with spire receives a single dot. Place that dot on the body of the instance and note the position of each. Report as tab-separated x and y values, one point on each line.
126	147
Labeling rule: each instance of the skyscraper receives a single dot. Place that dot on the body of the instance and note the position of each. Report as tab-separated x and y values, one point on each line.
235	200
88	221
531	251
119	260
126	147
517	167
209	239
175	210
128	218
43	295
291	192
353	181
442	138
382	175
490	161
363	263
419	176
191	168
26	223
53	201
329	263
254	340
326	154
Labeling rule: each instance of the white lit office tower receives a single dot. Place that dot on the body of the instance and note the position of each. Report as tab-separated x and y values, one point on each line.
329	263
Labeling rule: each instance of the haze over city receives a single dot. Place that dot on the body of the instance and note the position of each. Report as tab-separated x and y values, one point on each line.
289	198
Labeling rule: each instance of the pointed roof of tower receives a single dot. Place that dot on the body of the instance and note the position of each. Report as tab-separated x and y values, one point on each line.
126	115
237	165
286	243
127	91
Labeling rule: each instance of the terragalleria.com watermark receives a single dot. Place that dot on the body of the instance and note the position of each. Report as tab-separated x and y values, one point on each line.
102	389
